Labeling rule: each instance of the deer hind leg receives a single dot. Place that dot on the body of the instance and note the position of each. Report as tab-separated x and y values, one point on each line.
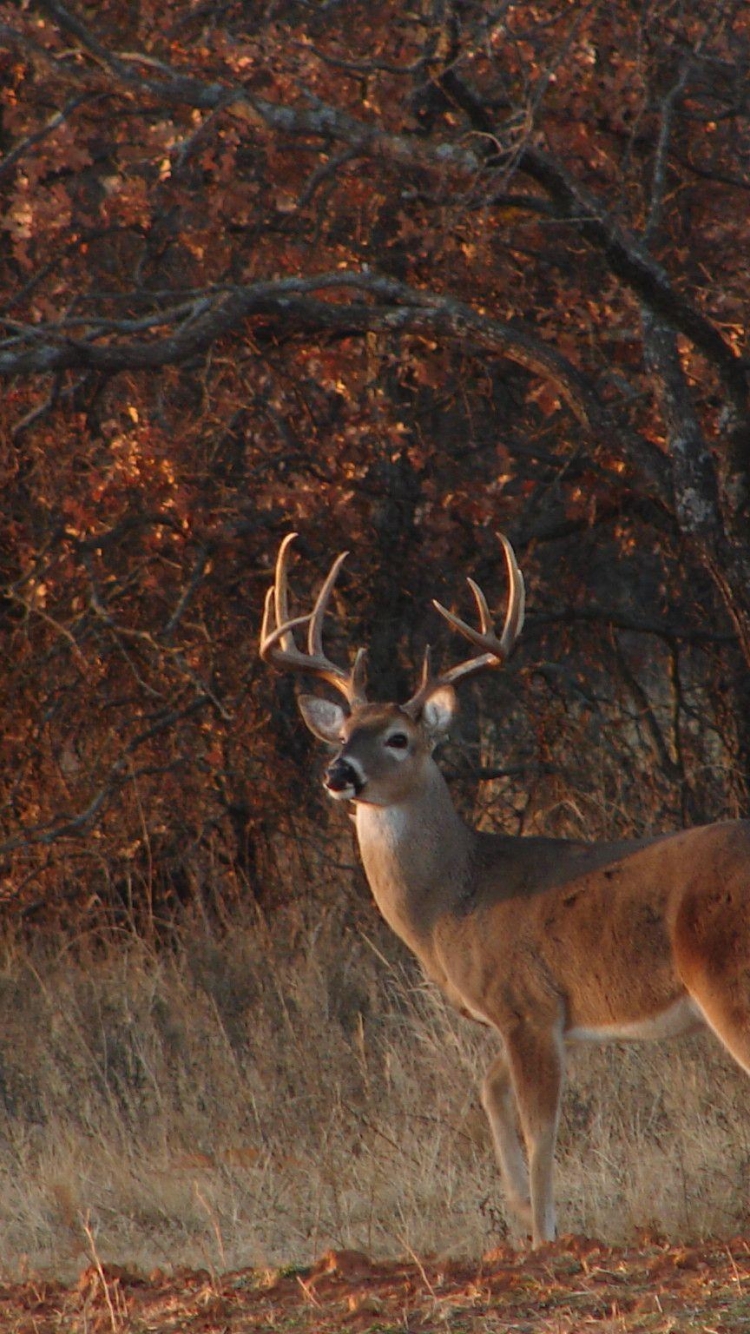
712	952
724	1004
498	1100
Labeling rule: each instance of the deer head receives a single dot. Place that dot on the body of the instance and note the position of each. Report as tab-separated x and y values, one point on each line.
382	749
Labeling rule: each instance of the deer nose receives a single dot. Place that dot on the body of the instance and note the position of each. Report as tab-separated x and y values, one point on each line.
343	776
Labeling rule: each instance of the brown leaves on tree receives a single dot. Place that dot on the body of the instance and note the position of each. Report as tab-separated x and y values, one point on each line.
394	284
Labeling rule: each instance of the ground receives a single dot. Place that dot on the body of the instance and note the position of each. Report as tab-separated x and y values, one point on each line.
572	1287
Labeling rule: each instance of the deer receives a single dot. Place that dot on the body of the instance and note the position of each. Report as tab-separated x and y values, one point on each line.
548	941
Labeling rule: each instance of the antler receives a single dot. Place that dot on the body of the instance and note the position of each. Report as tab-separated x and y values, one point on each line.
494	651
277	643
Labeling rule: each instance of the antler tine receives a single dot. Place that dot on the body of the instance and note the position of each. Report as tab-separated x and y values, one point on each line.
494	651
357	676
315	632
485	637
277	643
280	589
273	638
516	613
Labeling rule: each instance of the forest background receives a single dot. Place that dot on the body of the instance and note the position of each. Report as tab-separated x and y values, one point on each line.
394	277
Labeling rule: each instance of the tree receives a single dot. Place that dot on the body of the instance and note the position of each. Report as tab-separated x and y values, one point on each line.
466	266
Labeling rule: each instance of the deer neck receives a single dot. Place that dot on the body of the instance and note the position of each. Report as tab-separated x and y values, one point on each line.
417	856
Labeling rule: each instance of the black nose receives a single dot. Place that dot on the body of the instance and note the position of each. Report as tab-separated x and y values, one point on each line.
341	775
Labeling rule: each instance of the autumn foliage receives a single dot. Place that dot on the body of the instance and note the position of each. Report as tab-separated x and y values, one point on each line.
392	277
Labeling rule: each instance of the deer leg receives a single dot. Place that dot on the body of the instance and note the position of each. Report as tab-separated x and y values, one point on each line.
726	1011
536	1066
712	951
499	1103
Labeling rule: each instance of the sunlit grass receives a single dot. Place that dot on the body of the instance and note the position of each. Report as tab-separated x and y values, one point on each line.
254	1097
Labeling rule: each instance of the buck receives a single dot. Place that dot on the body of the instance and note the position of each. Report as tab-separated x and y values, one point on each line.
546	940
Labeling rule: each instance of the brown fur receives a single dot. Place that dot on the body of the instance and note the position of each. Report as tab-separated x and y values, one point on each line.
546	940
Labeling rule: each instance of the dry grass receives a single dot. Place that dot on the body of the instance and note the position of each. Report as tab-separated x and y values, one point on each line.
257	1098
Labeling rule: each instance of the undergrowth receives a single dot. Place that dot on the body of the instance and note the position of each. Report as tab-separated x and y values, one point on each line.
256	1095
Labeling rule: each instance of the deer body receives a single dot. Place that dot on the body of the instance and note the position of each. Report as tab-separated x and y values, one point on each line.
548	941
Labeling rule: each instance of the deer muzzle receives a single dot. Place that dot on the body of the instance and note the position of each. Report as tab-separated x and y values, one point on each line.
344	779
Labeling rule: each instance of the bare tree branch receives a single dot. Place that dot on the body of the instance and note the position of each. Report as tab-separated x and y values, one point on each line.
287	300
120	774
624	253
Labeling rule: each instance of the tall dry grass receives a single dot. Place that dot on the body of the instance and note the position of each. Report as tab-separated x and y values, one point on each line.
254	1097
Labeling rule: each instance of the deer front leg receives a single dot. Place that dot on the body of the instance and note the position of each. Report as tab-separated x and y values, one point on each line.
498	1100
535	1057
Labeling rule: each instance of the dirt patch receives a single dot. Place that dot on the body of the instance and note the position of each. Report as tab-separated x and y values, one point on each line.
575	1284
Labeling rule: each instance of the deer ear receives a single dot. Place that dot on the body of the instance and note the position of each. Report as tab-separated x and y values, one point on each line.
438	712
325	720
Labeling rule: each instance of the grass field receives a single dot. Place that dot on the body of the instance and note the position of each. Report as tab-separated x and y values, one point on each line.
260	1095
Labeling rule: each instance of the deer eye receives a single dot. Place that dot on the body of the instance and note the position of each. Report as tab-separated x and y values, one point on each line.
397	740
